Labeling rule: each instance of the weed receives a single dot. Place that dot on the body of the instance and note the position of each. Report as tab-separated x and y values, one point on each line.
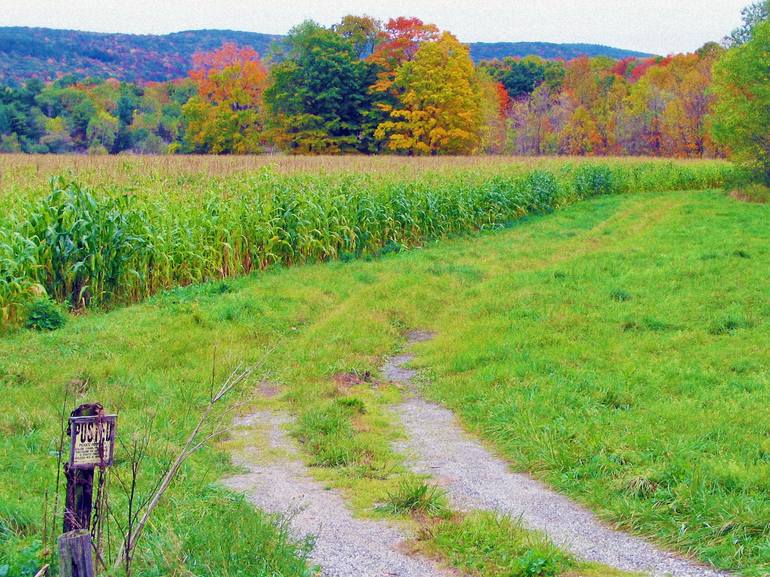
647	324
728	325
494	546
615	399
620	295
328	434
353	404
639	486
414	495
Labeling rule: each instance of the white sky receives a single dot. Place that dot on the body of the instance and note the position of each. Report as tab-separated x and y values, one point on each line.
658	26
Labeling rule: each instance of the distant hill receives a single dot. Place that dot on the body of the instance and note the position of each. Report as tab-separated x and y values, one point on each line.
48	53
549	50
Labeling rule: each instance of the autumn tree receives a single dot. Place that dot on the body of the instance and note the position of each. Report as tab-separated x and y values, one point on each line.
365	87
580	136
590	99
439	109
227	114
398	44
319	96
580	82
534	122
363	32
495	105
741	117
687	79
607	111
644	108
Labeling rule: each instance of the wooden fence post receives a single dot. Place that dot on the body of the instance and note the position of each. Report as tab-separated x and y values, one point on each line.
76	557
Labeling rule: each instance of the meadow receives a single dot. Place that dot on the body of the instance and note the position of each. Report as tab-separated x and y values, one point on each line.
615	349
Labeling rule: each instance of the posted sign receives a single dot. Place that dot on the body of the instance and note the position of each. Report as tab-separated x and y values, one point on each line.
93	441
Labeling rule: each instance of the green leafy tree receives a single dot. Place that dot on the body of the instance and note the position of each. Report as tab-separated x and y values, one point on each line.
10	143
741	117
752	15
522	76
21	121
319	95
101	132
57	138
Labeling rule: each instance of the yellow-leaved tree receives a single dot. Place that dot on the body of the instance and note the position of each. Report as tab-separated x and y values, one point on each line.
440	108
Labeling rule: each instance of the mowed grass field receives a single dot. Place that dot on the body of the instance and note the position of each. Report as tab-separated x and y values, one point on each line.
617	349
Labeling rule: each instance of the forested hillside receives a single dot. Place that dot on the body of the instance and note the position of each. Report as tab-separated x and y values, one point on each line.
47	54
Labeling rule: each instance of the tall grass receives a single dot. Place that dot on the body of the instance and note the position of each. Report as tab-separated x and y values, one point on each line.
116	243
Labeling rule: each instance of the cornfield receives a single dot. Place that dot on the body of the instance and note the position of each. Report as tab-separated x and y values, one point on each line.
116	231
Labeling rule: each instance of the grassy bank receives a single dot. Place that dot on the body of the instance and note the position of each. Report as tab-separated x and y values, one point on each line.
116	235
616	349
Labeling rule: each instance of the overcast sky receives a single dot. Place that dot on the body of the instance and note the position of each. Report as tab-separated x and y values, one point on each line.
658	26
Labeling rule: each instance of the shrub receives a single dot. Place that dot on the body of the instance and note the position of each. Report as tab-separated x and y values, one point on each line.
44	315
753	193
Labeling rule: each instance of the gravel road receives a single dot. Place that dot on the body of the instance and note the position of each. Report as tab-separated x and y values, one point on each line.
476	479
344	546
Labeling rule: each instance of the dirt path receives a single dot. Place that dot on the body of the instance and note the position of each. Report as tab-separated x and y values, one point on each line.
478	480
344	546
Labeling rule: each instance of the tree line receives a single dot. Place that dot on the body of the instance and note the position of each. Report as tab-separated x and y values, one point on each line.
402	87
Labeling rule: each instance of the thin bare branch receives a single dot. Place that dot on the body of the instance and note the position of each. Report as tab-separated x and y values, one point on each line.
191	444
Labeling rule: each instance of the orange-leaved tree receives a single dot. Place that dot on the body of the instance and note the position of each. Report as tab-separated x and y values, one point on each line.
227	114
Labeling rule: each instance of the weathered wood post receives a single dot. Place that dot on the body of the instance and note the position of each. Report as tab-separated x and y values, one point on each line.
80	480
92	443
75	554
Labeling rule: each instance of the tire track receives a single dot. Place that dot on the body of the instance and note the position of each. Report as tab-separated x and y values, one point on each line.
476	479
344	546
